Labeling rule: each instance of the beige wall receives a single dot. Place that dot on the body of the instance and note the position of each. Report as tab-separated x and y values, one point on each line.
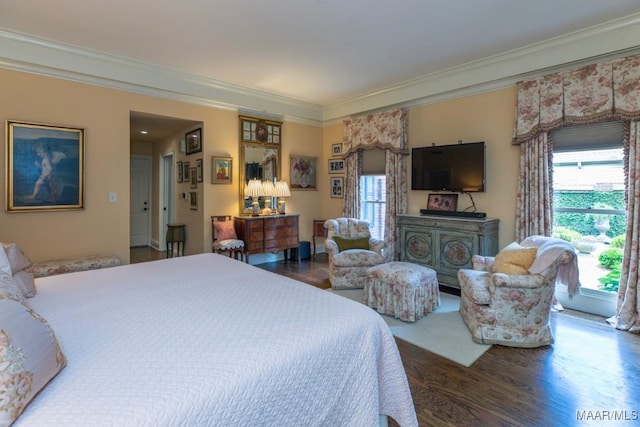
103	227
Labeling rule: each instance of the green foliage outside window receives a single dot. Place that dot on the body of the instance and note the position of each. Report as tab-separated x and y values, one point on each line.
585	224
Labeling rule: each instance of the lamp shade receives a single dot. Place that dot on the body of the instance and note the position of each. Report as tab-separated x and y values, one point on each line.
282	189
267	188
254	188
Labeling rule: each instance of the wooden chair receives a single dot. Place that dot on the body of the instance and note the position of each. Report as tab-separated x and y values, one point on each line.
225	239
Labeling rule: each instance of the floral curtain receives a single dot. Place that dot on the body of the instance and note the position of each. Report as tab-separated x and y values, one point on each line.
388	131
597	92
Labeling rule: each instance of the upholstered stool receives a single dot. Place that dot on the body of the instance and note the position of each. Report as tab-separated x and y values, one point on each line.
401	289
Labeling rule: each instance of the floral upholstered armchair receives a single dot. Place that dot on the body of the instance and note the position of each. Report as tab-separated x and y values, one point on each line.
507	300
352	251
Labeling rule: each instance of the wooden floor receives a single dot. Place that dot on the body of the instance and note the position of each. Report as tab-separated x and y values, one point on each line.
590	376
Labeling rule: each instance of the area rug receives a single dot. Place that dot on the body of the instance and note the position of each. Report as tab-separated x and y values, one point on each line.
442	332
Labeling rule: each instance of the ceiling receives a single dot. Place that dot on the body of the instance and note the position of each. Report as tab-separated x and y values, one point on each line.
315	54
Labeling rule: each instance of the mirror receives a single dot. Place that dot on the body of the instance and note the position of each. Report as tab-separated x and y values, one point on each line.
260	161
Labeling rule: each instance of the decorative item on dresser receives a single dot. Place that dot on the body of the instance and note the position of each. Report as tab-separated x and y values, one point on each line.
272	234
446	244
268	188
254	190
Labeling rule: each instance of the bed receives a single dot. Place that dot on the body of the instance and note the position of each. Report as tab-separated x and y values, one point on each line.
207	340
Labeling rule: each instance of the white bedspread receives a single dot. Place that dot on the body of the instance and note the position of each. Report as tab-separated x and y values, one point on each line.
207	340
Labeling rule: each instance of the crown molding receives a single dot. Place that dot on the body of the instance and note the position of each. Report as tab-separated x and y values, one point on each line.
44	57
612	39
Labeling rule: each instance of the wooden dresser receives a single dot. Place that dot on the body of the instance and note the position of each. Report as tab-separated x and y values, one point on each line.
272	233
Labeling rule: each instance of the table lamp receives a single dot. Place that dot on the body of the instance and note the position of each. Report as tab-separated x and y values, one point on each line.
281	191
267	191
254	190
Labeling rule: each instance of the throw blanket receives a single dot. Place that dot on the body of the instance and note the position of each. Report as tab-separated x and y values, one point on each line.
549	249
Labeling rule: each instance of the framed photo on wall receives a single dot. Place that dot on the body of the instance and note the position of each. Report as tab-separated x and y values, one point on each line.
199	170
193	200
442	202
221	170
303	172
336	149
193	178
193	141
336	166
45	167
179	171
336	186
186	172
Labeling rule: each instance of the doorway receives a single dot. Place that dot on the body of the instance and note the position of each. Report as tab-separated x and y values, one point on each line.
140	201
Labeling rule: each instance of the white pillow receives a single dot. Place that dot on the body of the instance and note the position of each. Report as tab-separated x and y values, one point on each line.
17	258
5	265
30	357
9	289
25	283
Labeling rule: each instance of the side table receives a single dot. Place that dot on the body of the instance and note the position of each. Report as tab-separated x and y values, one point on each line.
318	231
175	234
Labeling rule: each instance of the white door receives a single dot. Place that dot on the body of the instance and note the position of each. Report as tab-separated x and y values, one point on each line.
140	200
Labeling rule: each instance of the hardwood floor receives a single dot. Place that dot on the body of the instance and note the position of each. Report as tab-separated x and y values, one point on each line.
588	377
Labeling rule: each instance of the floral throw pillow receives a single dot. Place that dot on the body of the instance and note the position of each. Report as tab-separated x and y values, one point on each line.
225	230
30	357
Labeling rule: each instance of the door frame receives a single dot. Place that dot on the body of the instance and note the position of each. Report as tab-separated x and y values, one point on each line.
166	196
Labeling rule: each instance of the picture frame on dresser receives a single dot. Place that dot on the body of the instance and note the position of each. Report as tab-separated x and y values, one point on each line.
442	202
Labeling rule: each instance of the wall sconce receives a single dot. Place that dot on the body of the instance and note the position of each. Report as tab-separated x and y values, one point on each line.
254	190
281	191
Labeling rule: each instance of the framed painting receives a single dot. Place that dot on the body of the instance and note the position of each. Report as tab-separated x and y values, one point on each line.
442	202
193	200
45	167
193	175
336	166
186	172
336	184
303	172
221	170
193	141
179	170
199	170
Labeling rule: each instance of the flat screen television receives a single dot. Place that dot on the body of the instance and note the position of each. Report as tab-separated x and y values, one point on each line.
457	167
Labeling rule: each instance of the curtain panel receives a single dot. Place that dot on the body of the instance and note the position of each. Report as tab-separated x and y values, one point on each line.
597	92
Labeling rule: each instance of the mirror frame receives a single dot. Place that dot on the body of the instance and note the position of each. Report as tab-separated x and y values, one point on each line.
258	133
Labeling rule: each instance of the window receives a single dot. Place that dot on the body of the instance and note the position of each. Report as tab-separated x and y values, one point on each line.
373	196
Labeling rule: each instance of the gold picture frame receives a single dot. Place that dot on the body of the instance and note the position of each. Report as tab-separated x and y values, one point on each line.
221	170
45	167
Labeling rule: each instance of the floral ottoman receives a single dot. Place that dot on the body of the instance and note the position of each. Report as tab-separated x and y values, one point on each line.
401	289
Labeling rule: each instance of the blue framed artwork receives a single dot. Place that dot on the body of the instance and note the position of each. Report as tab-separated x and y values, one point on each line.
45	167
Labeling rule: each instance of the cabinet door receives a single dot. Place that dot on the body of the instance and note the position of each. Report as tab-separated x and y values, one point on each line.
456	250
418	245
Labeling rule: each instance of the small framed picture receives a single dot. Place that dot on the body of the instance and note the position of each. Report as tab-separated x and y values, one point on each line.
194	178
303	172
336	184
442	202
193	141
336	166
185	172
221	170
179	171
193	200
199	170
336	149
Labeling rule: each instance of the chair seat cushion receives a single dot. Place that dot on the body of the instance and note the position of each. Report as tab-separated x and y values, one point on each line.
227	244
357	258
475	284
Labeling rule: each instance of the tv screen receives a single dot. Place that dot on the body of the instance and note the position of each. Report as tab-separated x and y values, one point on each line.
458	167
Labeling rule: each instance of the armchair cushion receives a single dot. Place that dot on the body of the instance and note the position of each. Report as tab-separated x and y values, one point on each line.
357	258
514	259
345	243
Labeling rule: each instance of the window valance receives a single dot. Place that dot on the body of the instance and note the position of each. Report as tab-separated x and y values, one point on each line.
597	92
387	130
